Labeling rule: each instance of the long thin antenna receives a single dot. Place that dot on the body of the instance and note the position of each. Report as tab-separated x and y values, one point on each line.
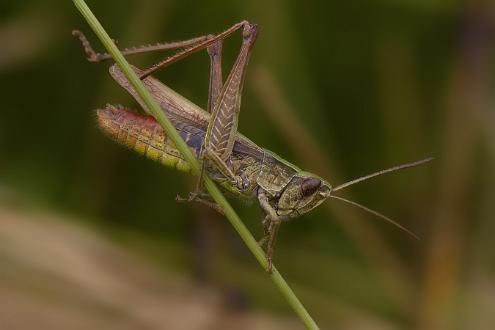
378	215
388	170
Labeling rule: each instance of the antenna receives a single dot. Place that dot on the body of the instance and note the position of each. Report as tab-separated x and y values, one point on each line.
388	170
378	215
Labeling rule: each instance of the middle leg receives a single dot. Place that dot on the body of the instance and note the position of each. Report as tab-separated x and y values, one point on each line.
271	225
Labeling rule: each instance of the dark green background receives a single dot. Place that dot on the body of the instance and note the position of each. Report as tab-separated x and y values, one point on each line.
340	88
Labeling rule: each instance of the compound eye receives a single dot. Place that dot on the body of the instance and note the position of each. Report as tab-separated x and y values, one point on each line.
309	186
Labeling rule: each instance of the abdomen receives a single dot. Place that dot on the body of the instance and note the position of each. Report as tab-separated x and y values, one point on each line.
143	134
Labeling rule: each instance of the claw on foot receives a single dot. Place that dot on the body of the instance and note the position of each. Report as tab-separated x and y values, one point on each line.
92	55
195	197
180	199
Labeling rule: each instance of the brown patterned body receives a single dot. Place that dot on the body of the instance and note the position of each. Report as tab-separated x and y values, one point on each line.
256	166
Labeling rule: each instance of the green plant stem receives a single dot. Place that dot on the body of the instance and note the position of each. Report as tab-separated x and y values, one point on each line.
186	152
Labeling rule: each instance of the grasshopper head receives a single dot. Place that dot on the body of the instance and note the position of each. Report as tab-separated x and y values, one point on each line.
303	193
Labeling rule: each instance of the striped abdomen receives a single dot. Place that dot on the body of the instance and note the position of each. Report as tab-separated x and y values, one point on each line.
143	134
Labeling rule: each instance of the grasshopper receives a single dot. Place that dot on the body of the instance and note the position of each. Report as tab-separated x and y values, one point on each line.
237	164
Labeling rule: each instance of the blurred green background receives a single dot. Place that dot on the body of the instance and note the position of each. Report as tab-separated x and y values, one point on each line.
90	234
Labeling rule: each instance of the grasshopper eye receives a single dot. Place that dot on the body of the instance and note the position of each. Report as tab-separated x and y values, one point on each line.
309	186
